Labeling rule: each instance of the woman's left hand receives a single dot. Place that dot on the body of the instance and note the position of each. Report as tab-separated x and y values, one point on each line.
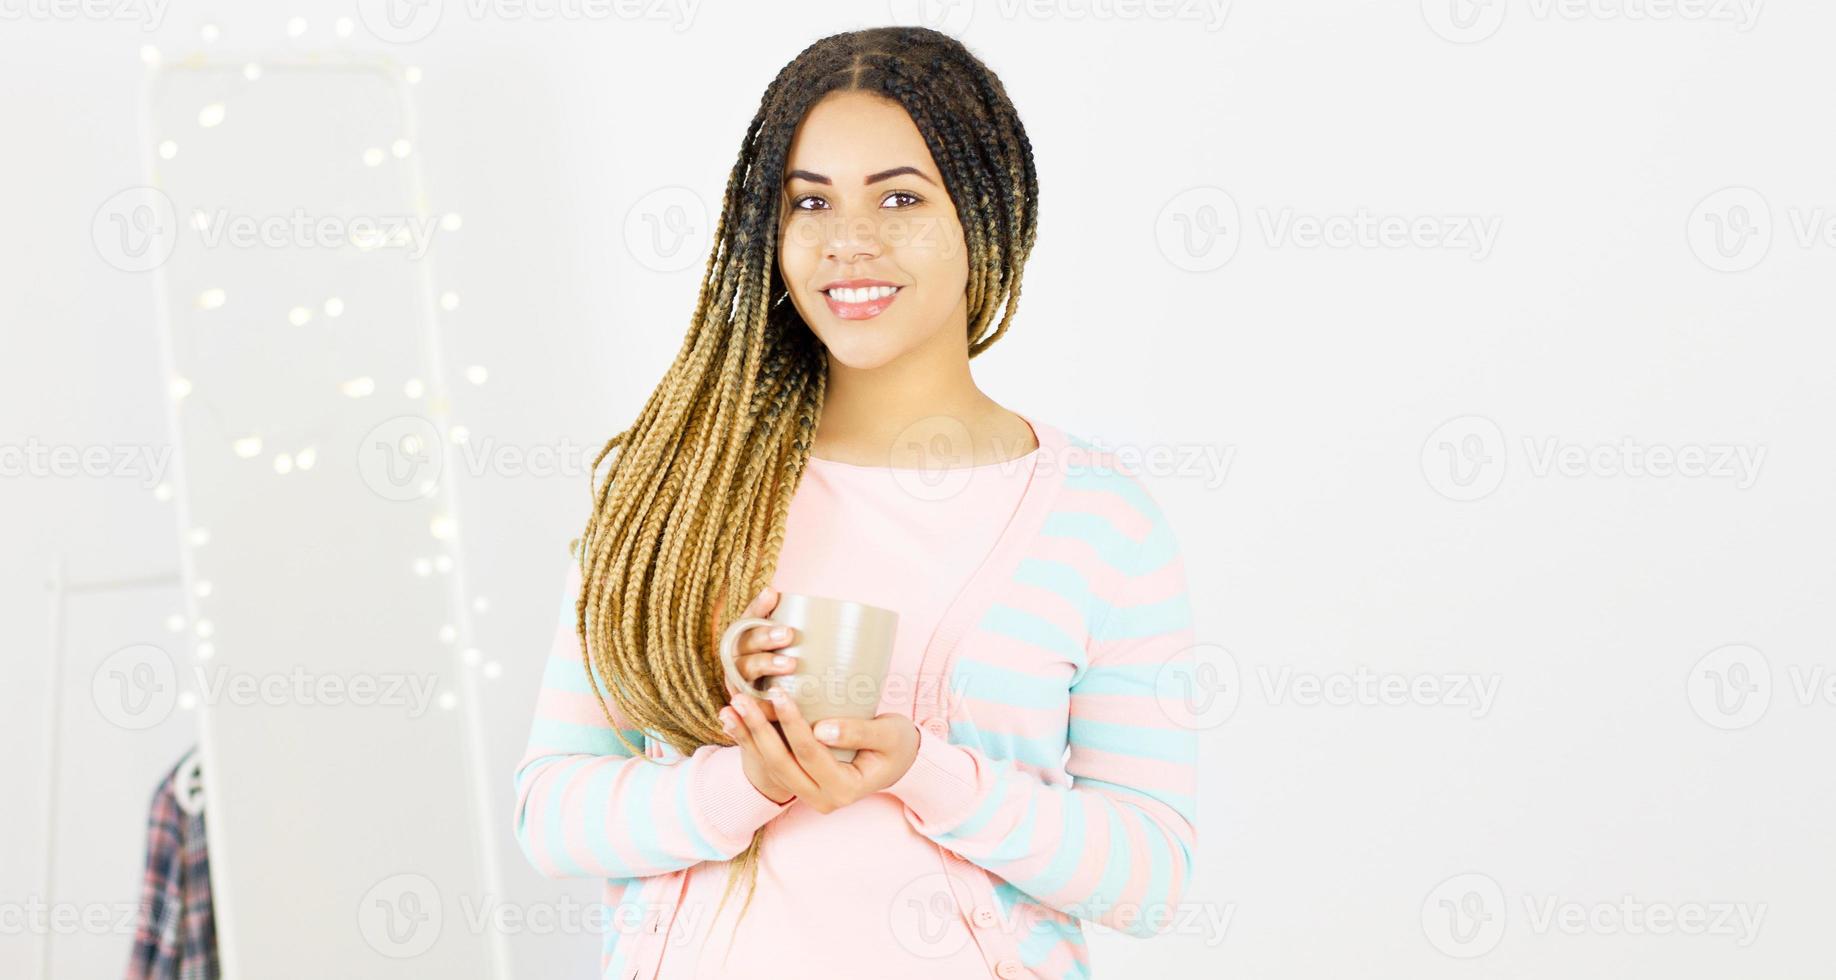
885	747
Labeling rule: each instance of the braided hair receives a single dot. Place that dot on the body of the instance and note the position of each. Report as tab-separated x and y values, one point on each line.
687	525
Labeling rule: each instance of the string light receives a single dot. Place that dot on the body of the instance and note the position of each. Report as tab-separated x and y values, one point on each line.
203	589
179	388
372	157
209	33
441	527
212	299
305	458
459	435
476	374
449	301
450	221
283	464
447	701
412	74
175	622
163	492
248	447
414	388
493	670
149	55
211	115
299	316
252	72
206	651
334	307
401	148
343	27
423	567
167	149
198	537
205	628
448	634
358	387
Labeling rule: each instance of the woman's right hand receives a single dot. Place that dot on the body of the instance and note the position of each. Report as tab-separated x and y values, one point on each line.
755	659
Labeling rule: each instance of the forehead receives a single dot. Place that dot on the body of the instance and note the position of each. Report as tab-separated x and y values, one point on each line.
851	134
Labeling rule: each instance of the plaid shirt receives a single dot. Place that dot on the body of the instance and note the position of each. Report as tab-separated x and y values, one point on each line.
176	935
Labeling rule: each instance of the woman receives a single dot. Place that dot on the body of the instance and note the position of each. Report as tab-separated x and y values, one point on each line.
1028	766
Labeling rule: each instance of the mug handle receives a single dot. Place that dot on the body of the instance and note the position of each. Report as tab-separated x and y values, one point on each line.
729	652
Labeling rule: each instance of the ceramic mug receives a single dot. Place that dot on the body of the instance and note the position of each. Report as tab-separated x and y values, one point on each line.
843	650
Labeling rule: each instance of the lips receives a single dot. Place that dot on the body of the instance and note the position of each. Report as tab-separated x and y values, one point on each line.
860	299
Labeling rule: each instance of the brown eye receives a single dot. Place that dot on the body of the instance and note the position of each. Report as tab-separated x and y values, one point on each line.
797	202
913	198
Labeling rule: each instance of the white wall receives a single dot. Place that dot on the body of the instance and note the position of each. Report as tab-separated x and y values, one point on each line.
1336	544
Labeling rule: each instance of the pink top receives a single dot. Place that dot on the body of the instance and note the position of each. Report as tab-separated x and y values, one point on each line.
1043	621
906	541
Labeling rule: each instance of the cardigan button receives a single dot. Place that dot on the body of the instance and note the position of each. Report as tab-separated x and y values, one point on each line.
937	727
985	917
1007	969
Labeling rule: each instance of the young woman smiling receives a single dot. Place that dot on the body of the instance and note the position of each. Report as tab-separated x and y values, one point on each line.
820	431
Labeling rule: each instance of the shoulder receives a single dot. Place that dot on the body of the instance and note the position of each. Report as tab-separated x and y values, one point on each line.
1107	481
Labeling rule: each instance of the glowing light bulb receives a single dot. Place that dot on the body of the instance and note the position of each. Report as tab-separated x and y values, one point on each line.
441	527
305	458
211	115
252	72
334	307
163	492
493	670
448	634
149	55
423	567
372	157
414	388
203	589
450	221
248	447
175	622
299	316
412	75
167	149
197	537
205	628
459	435
296	26
476	374
283	464
179	388
206	651
358	387
449	301
470	655
209	33
343	27
401	148
211	299
447	701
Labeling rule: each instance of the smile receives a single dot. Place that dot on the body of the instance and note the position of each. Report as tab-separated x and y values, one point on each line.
861	304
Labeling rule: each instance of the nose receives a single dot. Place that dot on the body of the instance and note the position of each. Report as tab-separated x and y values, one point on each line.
849	238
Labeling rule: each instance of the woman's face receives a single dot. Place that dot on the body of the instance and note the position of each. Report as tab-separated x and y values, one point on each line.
869	243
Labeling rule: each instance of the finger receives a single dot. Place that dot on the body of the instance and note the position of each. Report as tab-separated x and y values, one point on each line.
762	639
765	707
812	755
765	740
753	666
763	603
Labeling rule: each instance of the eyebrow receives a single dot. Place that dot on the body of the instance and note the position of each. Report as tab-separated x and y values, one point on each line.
816	178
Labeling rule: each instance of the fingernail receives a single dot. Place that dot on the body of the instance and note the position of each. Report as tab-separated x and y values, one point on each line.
780	661
780	633
777	695
826	730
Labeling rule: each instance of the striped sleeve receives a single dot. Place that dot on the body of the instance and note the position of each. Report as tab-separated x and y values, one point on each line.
587	807
1116	846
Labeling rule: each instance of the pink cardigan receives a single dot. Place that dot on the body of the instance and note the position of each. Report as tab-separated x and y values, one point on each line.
1057	762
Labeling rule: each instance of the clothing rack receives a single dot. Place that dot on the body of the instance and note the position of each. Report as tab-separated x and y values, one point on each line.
189	784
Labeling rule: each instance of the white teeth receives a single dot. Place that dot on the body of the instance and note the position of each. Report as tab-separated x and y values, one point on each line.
867	295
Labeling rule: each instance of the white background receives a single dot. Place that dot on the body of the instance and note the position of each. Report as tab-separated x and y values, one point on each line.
1600	321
